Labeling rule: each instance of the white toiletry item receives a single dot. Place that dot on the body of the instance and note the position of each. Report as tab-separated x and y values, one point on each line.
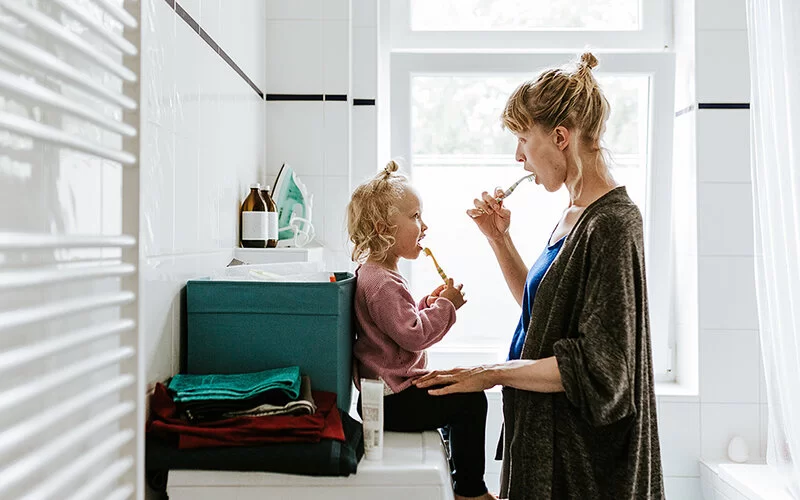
372	416
738	451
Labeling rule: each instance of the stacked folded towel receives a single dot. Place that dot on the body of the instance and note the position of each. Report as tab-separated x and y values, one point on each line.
270	392
243	409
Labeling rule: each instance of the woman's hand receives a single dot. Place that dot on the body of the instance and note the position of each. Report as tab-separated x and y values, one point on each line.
453	294
474	379
491	217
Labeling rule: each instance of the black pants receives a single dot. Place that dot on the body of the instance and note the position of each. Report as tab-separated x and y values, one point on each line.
463	416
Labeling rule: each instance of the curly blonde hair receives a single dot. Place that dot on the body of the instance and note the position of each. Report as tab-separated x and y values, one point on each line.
372	205
562	97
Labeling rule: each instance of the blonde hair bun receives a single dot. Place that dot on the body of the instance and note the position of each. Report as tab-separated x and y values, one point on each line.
589	60
391	167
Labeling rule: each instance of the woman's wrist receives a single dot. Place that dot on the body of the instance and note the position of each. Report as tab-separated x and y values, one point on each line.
502	242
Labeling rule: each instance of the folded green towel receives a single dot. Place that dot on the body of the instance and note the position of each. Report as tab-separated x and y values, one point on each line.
189	387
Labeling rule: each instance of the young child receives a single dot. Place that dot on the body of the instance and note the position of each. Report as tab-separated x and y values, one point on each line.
384	220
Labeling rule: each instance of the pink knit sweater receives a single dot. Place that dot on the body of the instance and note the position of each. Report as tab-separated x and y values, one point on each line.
392	331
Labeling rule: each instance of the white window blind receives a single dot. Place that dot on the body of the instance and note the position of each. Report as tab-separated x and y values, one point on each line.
71	391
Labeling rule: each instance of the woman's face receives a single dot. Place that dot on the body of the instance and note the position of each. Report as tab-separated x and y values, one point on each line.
543	154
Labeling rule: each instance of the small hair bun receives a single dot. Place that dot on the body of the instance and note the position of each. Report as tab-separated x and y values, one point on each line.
589	60
391	167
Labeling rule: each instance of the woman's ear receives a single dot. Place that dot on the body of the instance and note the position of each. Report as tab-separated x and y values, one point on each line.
561	136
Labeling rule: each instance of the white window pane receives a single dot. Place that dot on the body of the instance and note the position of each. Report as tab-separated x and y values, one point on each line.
459	150
508	15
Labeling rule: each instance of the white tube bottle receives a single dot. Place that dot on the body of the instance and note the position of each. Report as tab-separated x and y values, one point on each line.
372	416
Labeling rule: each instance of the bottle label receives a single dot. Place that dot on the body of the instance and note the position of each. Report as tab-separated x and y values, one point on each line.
272	225
254	225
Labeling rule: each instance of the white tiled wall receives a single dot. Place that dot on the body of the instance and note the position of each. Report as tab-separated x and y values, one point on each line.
202	145
308	52
731	397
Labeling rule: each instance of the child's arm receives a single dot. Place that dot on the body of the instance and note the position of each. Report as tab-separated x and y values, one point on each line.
394	312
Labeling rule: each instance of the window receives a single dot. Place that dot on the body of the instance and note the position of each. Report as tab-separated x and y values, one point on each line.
445	124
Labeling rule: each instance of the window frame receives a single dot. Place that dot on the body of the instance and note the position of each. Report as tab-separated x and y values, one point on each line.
660	67
654	34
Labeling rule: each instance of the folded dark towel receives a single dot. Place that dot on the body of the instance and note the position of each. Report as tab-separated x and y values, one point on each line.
239	386
325	458
302	406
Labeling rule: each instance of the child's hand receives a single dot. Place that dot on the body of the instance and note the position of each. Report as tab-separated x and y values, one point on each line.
434	295
454	294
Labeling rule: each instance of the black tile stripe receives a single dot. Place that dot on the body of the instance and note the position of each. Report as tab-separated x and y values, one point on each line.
294	97
173	4
335	97
363	102
723	105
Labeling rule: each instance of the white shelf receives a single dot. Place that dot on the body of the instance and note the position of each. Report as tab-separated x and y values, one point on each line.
311	253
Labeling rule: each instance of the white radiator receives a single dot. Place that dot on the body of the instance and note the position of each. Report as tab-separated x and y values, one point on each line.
71	386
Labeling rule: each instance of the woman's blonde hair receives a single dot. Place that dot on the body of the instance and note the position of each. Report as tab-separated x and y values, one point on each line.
562	97
371	206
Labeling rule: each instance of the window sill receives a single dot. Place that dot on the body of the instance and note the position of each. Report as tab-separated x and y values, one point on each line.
676	392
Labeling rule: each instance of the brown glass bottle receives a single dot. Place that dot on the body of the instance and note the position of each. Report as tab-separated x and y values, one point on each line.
253	220
272	217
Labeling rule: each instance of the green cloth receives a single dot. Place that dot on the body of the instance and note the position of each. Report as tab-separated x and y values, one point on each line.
234	387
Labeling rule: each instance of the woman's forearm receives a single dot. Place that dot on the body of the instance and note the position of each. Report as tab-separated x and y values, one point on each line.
514	270
539	375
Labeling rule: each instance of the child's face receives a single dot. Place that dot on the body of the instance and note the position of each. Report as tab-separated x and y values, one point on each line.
410	228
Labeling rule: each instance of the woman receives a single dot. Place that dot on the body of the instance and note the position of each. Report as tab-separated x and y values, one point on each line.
578	402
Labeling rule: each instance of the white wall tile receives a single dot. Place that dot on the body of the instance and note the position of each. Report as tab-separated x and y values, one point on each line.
723	73
723	145
365	13
679	433
721	422
193	7
337	138
294	57
336	9
364	141
336	42
683	488
729	364
727	297
721	15
295	135
337	195
725	219
187	185
365	63
294	9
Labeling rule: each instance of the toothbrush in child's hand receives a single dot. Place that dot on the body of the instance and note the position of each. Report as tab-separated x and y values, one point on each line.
439	269
505	194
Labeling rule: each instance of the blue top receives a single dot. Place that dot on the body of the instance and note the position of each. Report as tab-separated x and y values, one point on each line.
535	276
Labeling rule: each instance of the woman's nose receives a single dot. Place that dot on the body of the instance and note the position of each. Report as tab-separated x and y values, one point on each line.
423	226
518	153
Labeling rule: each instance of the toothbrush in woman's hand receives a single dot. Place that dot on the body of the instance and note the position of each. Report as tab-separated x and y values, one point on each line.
505	194
439	269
